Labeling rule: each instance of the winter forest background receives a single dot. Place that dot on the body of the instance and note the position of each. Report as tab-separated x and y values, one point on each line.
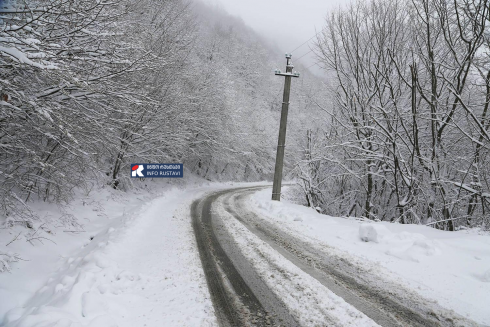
399	130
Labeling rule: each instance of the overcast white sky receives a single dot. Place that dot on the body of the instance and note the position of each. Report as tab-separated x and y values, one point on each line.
287	22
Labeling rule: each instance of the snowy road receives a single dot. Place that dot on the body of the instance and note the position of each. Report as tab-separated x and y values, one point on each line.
239	295
260	275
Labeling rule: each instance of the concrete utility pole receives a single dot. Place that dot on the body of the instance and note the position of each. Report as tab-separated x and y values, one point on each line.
281	143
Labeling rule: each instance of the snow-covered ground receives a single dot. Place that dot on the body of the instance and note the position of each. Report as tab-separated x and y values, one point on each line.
136	264
451	268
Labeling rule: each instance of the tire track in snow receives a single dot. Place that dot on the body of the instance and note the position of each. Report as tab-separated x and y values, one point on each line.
237	302
310	303
386	308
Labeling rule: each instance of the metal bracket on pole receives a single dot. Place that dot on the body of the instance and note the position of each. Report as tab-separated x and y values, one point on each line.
278	73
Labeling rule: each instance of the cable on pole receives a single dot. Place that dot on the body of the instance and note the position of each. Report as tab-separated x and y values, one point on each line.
304	55
305	42
312	65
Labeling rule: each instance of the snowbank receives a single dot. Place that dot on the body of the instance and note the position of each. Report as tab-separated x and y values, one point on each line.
451	268
136	265
373	233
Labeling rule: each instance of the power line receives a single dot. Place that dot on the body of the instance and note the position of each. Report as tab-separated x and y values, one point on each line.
312	65
305	42
304	55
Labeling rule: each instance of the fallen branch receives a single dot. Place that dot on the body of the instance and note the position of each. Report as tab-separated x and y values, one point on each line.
441	221
13	239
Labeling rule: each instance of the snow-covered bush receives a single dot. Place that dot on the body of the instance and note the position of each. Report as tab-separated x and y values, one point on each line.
6	259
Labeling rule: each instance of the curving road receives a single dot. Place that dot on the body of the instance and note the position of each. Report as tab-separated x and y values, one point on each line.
242	297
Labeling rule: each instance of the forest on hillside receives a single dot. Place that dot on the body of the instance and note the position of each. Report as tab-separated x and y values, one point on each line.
409	134
89	87
398	131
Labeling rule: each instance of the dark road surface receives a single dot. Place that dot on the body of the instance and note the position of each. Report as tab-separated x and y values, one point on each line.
241	298
237	302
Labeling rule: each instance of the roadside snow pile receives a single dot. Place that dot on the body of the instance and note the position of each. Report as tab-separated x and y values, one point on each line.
420	246
278	210
450	268
36	259
140	268
373	232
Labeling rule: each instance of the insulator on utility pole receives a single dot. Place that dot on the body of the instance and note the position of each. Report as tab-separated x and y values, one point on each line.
281	144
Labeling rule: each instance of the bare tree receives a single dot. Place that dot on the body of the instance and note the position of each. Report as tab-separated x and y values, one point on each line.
413	103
